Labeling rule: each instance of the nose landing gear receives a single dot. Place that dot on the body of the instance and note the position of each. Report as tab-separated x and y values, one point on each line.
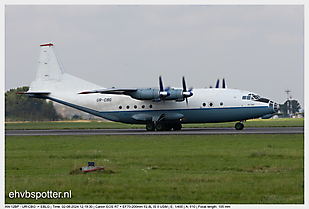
239	126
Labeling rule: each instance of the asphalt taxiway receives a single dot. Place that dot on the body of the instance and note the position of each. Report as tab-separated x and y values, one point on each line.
184	131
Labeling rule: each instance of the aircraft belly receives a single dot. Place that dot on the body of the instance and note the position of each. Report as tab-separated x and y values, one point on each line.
212	115
201	115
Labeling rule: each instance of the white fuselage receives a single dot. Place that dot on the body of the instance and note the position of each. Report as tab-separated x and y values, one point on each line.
206	105
189	106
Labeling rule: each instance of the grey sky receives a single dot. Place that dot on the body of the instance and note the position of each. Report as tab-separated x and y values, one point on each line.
255	48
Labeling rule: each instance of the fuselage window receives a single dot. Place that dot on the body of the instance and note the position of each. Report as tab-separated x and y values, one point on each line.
221	103
143	106
150	106
204	104
211	104
128	107
120	107
244	97
248	97
135	106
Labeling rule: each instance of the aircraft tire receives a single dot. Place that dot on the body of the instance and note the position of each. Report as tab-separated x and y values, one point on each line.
160	127
239	126
150	127
177	127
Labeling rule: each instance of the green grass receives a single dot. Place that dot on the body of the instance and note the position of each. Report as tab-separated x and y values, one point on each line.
297	122
286	122
158	169
68	125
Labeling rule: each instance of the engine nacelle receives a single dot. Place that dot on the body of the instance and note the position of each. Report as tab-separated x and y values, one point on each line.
145	94
175	94
156	95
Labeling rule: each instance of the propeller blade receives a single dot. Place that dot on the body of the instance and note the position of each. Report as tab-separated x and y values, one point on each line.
167	88
217	85
186	93
223	83
160	83
163	93
191	88
184	84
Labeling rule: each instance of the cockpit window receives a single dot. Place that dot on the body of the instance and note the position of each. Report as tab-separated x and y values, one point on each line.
251	97
255	97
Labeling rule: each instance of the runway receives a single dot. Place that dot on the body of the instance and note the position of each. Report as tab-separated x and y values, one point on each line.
184	131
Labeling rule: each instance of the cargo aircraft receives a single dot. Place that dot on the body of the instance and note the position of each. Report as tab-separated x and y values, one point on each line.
161	109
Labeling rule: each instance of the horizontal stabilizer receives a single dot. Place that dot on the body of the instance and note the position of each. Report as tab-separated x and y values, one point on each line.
35	92
110	91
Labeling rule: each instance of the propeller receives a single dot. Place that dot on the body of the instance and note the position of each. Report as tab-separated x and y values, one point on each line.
186	93
163	93
217	85
223	84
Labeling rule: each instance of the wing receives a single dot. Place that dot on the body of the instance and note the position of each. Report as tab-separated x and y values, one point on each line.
155	94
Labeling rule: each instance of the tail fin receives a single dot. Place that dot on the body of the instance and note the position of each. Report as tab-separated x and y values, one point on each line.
51	76
49	66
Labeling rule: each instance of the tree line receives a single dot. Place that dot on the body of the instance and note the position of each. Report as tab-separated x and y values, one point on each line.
20	107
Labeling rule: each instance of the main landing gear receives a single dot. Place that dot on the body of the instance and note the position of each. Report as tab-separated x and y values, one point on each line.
239	126
163	126
178	126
